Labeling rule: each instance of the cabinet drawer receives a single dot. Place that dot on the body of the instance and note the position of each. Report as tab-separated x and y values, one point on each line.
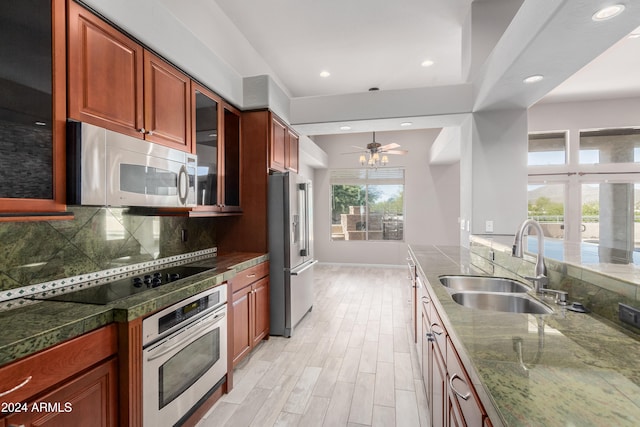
248	276
34	374
461	390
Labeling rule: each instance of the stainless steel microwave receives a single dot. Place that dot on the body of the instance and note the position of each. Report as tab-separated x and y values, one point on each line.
106	168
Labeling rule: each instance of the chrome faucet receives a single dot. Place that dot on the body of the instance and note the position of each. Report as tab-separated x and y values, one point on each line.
540	280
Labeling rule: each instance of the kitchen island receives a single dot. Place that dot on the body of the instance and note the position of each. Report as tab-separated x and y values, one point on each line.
564	368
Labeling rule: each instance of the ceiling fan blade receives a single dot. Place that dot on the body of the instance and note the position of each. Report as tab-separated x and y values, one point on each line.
359	148
389	146
355	152
395	152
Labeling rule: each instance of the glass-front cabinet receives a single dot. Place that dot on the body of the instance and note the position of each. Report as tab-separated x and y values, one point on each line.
216	132
32	108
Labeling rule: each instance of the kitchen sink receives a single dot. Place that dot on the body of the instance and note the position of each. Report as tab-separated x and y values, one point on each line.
484	284
511	303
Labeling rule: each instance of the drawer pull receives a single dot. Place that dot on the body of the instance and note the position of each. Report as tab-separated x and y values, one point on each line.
435	324
22	384
251	275
460	395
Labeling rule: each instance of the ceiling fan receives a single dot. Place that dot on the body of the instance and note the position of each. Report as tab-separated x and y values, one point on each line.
375	154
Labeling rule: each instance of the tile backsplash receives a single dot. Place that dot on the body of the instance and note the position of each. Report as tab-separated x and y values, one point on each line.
97	238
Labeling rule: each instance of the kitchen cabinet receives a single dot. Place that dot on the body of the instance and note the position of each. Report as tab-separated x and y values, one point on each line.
250	310
216	136
248	233
117	84
451	397
73	383
33	110
87	400
283	146
291	151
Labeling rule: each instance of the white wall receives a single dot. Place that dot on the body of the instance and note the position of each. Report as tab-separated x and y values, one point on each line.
432	198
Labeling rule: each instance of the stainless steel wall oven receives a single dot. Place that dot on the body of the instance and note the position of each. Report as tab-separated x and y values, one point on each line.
184	356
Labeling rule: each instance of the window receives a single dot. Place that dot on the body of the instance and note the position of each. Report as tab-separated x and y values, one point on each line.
591	199
547	149
610	146
367	204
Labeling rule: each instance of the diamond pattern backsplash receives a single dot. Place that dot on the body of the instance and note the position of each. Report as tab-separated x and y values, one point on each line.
97	239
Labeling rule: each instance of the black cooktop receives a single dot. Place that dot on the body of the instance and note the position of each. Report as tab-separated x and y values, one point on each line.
123	288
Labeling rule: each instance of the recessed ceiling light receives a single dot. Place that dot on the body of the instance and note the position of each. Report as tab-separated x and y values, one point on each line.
405	124
608	12
427	63
345	127
324	74
534	79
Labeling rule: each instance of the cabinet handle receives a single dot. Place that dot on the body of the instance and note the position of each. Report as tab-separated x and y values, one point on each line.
149	132
251	275
14	425
435	324
22	384
460	395
426	299
142	130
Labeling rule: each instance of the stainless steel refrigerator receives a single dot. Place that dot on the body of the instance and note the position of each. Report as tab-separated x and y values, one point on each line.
290	251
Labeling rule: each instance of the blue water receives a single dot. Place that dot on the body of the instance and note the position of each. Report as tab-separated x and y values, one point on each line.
588	251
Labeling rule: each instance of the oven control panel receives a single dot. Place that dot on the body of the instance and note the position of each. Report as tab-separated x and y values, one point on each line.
173	317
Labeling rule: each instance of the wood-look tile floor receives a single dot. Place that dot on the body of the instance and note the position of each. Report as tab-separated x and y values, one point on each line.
349	362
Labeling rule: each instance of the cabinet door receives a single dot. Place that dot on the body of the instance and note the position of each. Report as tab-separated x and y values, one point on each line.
231	160
89	400
167	104
291	155
277	145
105	74
261	309
206	136
426	345
438	390
242	338
33	109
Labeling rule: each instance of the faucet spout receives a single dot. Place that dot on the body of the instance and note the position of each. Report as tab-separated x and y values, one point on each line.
540	280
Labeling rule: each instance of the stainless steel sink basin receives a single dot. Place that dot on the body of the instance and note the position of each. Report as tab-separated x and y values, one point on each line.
511	303
483	283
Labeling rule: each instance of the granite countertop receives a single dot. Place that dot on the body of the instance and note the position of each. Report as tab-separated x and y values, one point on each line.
576	368
37	326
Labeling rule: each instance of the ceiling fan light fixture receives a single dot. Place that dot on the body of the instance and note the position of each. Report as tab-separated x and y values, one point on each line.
363	160
384	160
608	12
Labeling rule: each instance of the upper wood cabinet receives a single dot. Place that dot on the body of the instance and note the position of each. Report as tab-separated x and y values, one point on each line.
291	151
283	147
277	146
216	135
32	109
115	83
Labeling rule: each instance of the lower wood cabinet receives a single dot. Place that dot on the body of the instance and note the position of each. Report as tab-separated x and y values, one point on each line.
73	383
451	397
249	310
88	400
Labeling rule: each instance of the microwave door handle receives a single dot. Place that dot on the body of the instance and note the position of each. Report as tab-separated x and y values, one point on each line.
183	185
189	337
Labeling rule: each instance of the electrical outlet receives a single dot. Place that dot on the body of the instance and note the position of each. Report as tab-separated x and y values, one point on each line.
488	226
628	314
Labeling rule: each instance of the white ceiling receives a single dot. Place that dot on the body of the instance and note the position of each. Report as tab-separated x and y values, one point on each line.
362	43
379	43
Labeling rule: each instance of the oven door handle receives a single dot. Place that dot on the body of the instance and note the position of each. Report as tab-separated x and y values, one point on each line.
199	332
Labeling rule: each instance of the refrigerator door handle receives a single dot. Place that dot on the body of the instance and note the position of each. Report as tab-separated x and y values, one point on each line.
305	267
304	226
